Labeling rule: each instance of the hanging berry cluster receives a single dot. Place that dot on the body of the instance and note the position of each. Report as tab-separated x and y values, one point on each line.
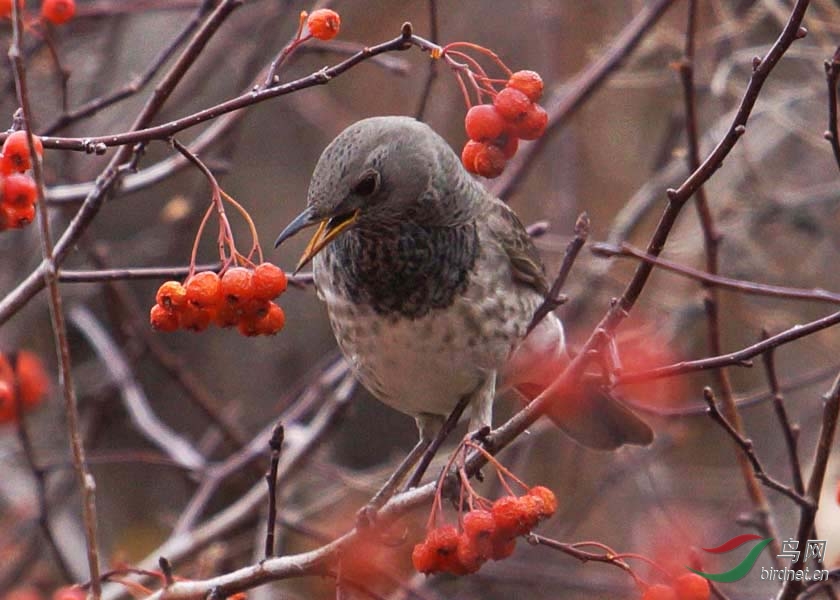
488	530
501	117
18	192
688	586
23	383
241	297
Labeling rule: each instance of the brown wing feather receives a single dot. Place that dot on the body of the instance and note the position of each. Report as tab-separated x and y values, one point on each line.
524	258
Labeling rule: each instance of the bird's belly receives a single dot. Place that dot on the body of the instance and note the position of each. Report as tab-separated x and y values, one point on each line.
423	365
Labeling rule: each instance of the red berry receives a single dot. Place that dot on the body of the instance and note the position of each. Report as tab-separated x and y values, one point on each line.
533	124
8	404
16	217
692	586
249	325
483	123
512	104
32	379
479	523
204	290
324	24
58	11
502	547
16	150
162	319
510	516
469	554
23	593
508	142
269	281
548	498
6	8
227	316
237	286
528	82
469	153
490	161
171	295
424	559
273	321
194	318
19	190
660	592
69	592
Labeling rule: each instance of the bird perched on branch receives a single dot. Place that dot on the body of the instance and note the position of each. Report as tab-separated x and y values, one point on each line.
431	282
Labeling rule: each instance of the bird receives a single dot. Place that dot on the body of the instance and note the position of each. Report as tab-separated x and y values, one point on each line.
431	282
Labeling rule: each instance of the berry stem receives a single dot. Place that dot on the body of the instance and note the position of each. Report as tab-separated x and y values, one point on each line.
255	247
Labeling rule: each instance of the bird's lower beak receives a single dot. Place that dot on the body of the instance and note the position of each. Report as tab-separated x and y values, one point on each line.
328	230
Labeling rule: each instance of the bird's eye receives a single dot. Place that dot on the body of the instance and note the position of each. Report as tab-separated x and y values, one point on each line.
368	184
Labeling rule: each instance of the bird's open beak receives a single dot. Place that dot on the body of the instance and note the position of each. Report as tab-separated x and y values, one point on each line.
328	230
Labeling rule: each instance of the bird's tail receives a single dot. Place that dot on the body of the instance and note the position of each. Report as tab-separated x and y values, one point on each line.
590	415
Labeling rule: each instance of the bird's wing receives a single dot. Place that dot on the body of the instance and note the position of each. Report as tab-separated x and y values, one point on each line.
524	259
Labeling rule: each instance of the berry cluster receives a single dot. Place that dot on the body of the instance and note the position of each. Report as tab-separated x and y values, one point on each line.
20	373
323	24
688	586
240	297
57	12
18	192
495	129
485	534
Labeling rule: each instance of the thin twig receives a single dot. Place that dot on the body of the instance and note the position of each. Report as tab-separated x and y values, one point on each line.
275	445
626	250
85	479
432	67
832	74
554	299
746	447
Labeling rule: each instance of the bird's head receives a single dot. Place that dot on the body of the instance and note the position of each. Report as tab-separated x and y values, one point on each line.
378	173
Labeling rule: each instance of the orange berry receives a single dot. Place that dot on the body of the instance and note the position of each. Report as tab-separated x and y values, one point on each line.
19	190
269	281
490	161
5	8
468	554
508	142
249	325
227	316
324	24
204	290
691	586
533	124
660	592
533	508
528	82
510	516
236	286
69	592
8	404
23	592
32	378
171	295
469	153
16	150
443	540
162	319
58	11
424	559
479	523
502	547
548	498
16	217
195	318
484	123
272	322
512	104
838	491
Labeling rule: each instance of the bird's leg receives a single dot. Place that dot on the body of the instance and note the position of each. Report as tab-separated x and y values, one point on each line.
426	425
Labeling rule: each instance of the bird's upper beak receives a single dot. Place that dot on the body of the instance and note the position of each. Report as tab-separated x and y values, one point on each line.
328	229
